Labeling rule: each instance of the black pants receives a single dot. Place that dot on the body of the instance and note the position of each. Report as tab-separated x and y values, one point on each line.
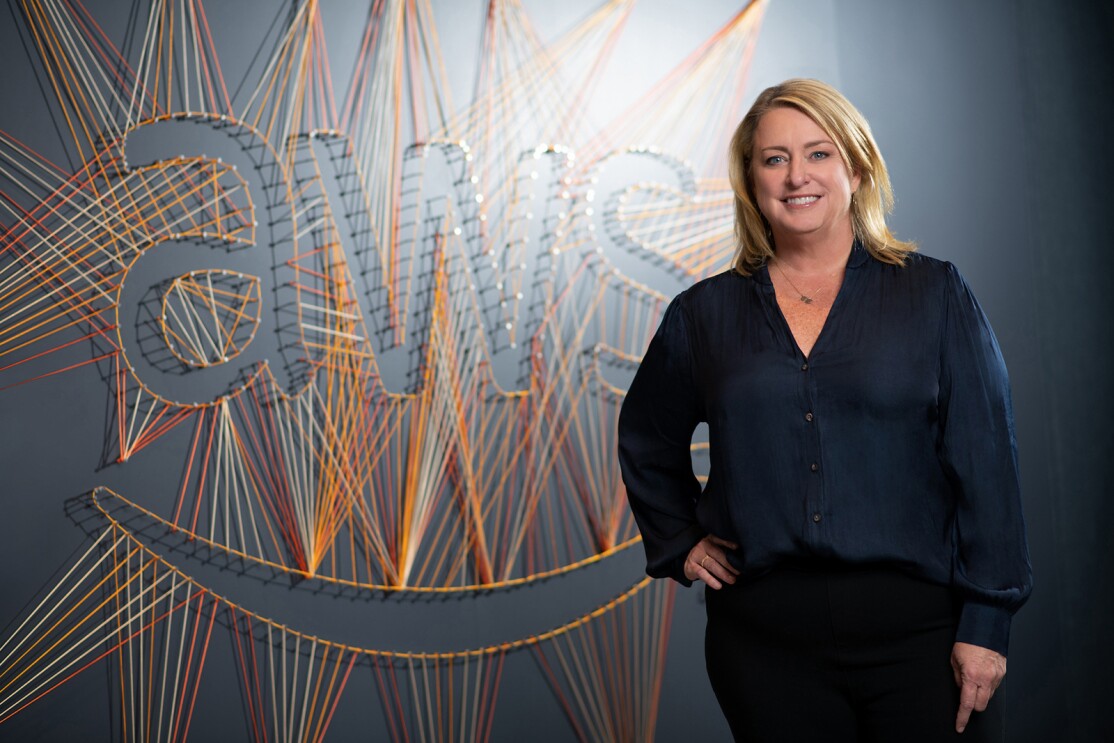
838	655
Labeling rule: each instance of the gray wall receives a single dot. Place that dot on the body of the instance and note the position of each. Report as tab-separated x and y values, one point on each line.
992	116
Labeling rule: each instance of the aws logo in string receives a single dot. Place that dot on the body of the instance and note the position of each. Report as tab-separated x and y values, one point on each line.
407	396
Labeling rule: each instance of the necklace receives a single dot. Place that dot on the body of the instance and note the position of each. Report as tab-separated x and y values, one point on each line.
801	296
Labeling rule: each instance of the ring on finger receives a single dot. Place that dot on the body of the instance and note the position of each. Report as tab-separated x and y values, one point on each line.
704	560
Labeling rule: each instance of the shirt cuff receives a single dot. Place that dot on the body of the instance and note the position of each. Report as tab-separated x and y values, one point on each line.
677	571
667	560
986	626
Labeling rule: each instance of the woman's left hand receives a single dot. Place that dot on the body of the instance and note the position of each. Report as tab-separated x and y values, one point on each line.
708	562
978	671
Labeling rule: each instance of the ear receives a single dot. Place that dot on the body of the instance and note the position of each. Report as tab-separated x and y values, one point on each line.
856	179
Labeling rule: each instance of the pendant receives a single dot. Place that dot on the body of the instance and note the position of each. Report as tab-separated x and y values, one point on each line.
806	300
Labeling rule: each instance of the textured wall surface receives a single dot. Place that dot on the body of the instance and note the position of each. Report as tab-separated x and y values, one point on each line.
990	116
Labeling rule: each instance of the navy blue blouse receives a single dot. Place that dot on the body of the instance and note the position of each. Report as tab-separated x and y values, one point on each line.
892	442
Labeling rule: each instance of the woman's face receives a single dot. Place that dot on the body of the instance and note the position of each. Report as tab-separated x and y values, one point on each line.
800	182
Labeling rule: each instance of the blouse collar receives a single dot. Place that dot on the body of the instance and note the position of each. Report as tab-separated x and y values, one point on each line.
859	256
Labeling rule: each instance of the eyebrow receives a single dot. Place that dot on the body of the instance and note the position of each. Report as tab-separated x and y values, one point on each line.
807	145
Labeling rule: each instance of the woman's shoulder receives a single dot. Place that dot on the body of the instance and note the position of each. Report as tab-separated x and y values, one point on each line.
934	282
925	261
712	290
926	269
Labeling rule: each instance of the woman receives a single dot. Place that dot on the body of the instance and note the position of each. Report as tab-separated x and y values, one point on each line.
861	524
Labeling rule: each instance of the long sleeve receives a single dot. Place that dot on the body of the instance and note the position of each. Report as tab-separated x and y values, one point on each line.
978	452
656	424
892	443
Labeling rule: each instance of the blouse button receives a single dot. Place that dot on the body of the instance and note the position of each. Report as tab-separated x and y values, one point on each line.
814	466
808	417
804	366
816	518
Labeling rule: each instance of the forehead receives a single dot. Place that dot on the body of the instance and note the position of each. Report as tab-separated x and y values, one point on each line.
783	126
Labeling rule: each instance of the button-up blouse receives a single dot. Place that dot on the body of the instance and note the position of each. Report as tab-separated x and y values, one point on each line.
891	443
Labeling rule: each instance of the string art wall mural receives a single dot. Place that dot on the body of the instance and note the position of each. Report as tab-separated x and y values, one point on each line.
375	337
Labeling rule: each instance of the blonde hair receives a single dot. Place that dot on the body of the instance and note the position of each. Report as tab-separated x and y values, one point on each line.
850	132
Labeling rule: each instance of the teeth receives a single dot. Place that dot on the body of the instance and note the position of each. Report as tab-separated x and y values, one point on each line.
802	199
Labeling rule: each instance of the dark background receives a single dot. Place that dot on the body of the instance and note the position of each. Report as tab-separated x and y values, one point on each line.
994	120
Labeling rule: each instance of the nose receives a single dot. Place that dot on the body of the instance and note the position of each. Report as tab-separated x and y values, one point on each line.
797	173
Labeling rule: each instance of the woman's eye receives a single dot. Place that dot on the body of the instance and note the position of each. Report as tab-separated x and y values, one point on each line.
819	155
774	160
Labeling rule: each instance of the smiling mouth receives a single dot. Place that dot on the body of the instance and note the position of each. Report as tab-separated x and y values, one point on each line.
801	200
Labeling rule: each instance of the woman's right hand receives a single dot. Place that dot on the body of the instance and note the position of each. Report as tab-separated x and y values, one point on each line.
707	561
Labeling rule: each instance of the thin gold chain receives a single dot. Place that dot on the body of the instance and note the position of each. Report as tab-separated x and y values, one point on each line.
801	296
